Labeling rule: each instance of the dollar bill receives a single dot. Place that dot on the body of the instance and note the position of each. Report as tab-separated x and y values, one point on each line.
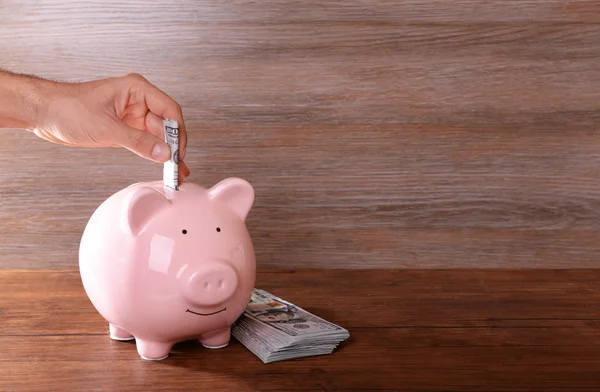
275	329
171	167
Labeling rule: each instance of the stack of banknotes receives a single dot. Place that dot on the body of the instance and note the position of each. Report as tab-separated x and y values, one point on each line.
276	330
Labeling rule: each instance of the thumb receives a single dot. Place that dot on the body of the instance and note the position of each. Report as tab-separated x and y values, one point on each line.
143	144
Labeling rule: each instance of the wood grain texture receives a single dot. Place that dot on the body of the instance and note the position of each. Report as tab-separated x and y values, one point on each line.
382	134
411	330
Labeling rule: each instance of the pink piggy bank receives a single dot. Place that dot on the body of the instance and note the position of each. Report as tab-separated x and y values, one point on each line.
165	266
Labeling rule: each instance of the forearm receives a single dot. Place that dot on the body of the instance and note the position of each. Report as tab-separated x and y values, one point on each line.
21	100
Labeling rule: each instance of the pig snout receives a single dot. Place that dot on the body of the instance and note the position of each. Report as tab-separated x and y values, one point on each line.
212	284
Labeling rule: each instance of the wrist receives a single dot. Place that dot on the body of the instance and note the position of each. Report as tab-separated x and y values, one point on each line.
23	101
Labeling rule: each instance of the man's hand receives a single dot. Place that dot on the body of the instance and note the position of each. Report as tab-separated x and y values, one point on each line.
125	111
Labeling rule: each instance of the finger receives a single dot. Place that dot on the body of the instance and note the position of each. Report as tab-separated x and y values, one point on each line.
183	140
183	172
154	125
171	112
164	106
185	169
142	143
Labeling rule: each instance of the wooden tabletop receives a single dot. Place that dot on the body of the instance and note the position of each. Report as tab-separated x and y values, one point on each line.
461	330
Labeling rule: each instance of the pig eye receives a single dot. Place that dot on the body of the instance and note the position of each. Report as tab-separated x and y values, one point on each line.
184	231
218	229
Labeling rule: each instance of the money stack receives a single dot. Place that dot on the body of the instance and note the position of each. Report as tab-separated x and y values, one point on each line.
277	330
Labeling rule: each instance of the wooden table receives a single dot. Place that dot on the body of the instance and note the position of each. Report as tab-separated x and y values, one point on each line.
458	330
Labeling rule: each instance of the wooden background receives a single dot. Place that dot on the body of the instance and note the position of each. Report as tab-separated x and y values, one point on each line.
377	134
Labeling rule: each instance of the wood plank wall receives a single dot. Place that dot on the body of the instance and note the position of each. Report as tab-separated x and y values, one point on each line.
377	134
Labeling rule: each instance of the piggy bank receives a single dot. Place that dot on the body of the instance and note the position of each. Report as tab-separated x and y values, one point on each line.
165	266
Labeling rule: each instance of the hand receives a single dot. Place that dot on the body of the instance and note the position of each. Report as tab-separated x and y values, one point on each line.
125	111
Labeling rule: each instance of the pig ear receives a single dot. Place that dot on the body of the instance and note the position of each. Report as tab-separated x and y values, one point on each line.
238	194
139	207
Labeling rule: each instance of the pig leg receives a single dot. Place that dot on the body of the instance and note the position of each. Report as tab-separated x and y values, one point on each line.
216	339
153	350
117	333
